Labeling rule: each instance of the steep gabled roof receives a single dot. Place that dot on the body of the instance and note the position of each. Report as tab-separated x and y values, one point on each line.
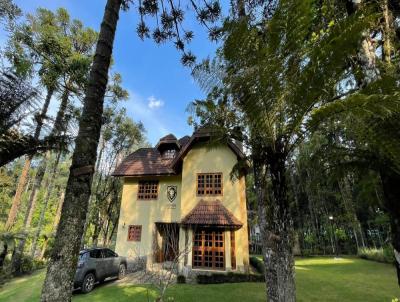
203	134
169	139
142	162
149	161
211	214
184	140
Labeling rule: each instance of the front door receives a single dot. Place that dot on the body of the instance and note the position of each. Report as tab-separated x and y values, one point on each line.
171	243
209	249
167	248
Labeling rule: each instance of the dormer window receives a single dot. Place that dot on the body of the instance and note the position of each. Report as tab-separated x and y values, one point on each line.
169	154
168	146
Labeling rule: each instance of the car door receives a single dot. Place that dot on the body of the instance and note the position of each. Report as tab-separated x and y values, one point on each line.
99	263
112	261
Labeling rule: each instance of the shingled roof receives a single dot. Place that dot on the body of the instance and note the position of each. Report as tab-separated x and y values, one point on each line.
212	214
169	139
149	161
202	134
145	161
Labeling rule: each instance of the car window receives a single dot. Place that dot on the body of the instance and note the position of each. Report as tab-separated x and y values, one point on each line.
83	256
95	254
108	253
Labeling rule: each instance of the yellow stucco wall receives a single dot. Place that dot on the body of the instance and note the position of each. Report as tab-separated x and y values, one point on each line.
145	213
200	159
204	159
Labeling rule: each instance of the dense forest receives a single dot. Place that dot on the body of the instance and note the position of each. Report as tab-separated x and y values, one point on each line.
54	52
311	88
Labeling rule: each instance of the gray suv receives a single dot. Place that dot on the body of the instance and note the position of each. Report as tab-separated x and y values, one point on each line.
97	264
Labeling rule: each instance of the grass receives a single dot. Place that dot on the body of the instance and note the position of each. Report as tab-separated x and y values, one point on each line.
317	279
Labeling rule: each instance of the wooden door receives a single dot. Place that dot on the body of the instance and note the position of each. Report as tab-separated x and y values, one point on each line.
209	249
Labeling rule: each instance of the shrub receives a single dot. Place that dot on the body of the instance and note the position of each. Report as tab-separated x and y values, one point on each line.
27	264
5	275
306	252
258	265
229	278
388	253
181	279
38	264
384	254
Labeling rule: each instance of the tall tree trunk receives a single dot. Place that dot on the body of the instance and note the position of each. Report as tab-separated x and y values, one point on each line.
60	125
18	252
12	215
275	223
24	174
3	254
44	247
109	238
346	193
55	224
62	266
366	54
49	185
96	231
58	212
279	255
391	191
94	204
388	32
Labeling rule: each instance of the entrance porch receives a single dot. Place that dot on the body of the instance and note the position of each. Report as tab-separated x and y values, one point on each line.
203	241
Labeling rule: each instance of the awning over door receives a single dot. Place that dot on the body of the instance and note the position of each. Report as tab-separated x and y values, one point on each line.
211	214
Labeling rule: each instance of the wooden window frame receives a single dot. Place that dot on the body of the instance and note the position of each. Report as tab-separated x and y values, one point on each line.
142	195
211	250
213	188
169	154
135	237
233	252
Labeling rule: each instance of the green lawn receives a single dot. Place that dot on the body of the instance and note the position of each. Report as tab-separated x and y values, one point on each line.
318	279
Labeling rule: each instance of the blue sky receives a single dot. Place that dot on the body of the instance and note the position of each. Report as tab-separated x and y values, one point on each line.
160	87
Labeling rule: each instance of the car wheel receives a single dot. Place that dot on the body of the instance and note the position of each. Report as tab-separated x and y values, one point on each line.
122	271
88	283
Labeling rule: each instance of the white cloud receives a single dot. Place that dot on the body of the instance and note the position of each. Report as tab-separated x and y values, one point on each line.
139	109
154	103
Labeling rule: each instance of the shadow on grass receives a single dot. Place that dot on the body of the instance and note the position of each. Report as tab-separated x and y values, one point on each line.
97	286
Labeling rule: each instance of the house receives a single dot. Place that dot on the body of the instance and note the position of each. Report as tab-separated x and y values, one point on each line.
178	199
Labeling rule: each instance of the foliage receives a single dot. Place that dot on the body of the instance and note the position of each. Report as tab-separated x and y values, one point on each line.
258	264
169	23
181	279
17	99
216	278
383	254
58	51
30	264
119	137
274	74
9	9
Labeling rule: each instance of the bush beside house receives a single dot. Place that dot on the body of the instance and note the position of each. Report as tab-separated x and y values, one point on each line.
232	277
